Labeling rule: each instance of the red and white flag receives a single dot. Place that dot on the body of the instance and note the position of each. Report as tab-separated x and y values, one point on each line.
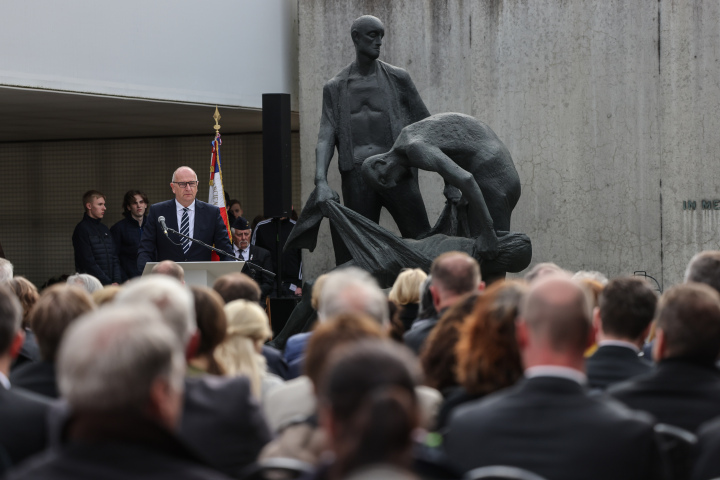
217	192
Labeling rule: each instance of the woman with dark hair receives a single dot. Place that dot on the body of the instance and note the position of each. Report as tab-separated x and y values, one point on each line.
28	296
368	410
126	233
212	323
488	358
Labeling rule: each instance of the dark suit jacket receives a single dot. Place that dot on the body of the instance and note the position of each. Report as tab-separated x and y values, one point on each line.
37	377
261	257
551	427
156	247
707	462
677	392
614	364
23	423
417	335
223	422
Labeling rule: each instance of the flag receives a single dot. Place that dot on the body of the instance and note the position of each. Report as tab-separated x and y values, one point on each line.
217	192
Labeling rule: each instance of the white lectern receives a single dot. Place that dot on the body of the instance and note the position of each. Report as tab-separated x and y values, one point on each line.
202	273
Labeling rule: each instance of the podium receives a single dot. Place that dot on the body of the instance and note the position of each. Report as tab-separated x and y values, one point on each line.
202	273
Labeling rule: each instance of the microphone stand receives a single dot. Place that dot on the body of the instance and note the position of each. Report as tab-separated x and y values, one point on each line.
218	251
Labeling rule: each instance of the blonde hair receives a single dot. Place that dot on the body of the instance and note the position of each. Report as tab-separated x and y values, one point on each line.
247	329
317	291
406	288
105	295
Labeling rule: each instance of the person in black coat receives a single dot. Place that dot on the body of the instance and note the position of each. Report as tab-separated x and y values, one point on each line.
204	223
22	414
244	250
94	247
127	232
547	423
684	388
627	306
265	236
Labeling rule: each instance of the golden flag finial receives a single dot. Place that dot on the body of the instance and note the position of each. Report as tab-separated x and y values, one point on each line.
217	118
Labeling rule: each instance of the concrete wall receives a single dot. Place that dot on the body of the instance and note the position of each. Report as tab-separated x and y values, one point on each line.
222	52
574	89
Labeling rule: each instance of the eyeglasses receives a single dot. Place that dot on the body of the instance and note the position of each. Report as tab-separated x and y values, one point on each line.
186	184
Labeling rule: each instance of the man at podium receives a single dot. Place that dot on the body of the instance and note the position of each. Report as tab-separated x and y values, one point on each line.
188	216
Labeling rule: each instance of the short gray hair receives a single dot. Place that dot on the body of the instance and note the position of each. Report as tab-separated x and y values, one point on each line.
85	281
174	301
352	290
110	358
6	270
704	267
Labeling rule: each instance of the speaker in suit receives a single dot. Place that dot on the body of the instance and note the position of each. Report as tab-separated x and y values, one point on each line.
550	426
611	364
209	227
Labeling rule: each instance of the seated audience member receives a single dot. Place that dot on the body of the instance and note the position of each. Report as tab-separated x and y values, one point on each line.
707	452
212	324
487	353
622	321
106	295
369	411
541	269
238	286
454	274
405	293
171	269
28	296
241	351
125	397
684	388
591	275
438	358
57	307
426	308
705	268
85	281
345	290
548	424
6	270
220	420
23	430
295	346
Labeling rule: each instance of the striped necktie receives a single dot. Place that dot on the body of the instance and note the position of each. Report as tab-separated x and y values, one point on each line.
185	230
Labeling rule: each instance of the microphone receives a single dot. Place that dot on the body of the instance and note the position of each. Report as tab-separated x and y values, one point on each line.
162	224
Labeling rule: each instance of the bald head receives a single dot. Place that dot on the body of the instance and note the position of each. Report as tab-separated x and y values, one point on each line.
184	185
171	269
367	33
454	274
557	315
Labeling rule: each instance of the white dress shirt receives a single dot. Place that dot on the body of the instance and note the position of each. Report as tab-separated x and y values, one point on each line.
241	254
556	371
191	218
4	381
619	343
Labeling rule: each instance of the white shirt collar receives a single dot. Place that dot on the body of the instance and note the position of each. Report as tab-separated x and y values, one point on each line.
4	381
619	343
180	207
556	371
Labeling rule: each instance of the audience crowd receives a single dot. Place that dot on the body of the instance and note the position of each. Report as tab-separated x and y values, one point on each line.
559	376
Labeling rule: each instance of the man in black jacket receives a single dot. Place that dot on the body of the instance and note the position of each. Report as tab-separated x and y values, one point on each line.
94	248
547	423
627	306
265	236
684	388
128	231
22	414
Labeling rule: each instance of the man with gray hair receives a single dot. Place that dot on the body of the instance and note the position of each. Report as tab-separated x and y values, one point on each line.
22	414
705	268
6	270
454	274
221	420
85	281
125	399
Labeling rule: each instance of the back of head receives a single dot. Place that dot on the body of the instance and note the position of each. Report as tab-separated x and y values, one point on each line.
342	331
406	288
455	273
111	358
542	269
317	291
247	319
705	268
237	286
25	291
557	314
427	307
212	323
627	306
170	297
352	290
106	295
57	307
85	281
6	270
369	392
488	357
10	318
689	316
171	269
